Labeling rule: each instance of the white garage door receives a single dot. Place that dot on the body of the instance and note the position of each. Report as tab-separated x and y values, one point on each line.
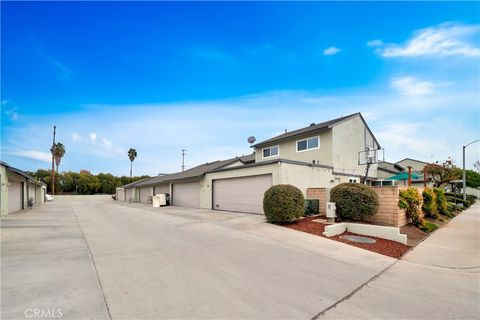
162	189
31	193
15	195
129	194
145	192
121	195
186	195
241	194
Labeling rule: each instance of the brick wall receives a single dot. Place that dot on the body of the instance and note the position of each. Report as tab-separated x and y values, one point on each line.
321	195
389	214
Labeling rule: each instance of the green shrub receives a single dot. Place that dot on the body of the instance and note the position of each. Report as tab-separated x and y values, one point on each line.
452	207
410	200
429	206
354	201
283	204
442	203
466	204
428	226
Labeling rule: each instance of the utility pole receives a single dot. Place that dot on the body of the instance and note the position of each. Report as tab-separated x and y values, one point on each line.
183	159
53	160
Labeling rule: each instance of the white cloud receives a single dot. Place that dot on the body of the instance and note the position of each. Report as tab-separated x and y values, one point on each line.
409	85
106	142
447	39
33	155
374	43
11	112
76	137
213	130
93	137
331	51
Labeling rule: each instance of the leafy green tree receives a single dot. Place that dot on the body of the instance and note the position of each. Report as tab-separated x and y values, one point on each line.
443	172
473	178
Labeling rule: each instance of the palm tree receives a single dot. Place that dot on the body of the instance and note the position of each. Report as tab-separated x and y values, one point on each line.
58	151
132	154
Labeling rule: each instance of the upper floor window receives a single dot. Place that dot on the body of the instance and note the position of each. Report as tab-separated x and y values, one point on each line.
270	152
308	144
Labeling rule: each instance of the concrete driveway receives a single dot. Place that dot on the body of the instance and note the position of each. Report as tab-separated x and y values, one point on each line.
114	260
105	259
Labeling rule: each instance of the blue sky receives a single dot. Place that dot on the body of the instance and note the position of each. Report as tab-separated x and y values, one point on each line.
161	77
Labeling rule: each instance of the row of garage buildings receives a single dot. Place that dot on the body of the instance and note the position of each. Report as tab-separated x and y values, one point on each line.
17	187
236	184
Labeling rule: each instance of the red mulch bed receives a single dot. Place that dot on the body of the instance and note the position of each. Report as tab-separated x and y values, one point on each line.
386	247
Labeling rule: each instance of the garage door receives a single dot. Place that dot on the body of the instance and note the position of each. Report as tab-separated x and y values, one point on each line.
162	189
241	194
129	194
186	195
15	195
121	195
31	193
145	193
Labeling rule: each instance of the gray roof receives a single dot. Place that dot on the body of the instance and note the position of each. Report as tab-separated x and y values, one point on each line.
192	173
419	161
390	167
266	162
22	173
314	127
133	184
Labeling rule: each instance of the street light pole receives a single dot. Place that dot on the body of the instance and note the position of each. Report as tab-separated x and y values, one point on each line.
464	174
53	168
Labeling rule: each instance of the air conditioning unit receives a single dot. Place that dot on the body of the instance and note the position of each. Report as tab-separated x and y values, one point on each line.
331	209
159	200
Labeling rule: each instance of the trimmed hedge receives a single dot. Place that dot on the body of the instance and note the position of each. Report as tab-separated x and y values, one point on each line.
429	206
354	201
283	203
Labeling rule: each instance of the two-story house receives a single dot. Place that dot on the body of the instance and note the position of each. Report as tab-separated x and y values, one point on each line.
319	155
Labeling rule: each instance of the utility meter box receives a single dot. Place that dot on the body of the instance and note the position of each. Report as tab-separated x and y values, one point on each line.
331	208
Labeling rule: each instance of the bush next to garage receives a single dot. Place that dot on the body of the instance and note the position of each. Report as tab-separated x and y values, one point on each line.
283	204
354	201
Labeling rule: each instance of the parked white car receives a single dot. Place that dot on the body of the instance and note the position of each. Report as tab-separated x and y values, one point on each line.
49	197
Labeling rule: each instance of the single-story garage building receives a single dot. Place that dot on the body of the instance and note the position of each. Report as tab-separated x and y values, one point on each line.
17	187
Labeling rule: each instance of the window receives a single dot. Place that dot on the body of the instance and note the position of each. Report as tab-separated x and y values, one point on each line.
353	180
270	152
308	144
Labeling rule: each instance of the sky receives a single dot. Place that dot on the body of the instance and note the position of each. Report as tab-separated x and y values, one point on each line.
204	76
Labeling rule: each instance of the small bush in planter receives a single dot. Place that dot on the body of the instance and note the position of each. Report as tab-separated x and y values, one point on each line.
283	203
354	201
410	200
429	206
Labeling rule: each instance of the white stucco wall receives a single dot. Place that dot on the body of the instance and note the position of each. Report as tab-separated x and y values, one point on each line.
349	138
304	177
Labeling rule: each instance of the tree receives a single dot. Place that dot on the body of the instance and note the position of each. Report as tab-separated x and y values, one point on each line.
443	172
58	151
132	154
472	178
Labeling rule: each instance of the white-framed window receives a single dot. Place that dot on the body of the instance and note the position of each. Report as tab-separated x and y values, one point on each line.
308	144
269	152
353	180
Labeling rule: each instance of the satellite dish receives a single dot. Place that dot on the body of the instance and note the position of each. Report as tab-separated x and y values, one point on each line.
251	139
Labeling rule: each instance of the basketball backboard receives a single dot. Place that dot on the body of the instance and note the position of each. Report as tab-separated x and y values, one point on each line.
371	156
